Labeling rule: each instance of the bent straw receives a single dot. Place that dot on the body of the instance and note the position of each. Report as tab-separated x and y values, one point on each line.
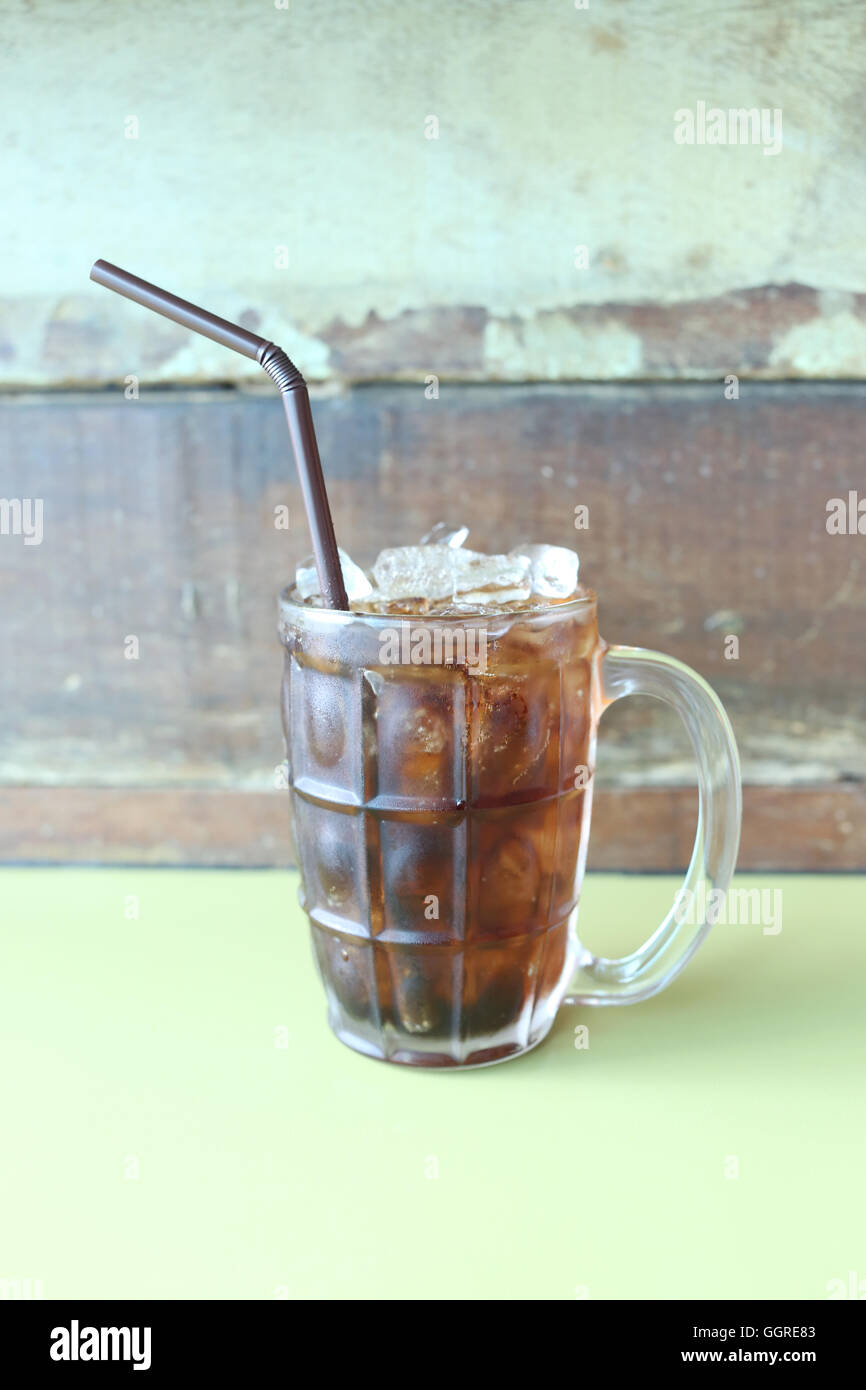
296	400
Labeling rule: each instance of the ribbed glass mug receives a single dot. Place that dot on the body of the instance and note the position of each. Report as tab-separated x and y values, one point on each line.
441	777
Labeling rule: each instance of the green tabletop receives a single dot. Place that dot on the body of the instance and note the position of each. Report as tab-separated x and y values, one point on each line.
180	1123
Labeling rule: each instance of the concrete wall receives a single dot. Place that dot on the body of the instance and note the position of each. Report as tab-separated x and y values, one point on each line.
307	128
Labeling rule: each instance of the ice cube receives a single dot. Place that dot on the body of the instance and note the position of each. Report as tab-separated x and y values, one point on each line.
554	569
443	533
439	572
357	584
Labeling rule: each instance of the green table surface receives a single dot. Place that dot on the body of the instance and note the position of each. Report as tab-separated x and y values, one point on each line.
180	1123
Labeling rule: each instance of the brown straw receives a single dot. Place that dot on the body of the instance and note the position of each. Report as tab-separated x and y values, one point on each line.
296	400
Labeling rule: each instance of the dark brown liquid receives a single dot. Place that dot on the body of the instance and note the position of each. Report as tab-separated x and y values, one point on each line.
439	822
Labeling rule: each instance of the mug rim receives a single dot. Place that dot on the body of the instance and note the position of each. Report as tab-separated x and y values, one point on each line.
287	600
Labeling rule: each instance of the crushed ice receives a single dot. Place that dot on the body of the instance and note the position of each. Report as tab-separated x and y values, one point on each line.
439	570
357	584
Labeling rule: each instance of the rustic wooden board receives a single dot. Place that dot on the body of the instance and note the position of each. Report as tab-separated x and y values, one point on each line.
767	332
639	829
707	518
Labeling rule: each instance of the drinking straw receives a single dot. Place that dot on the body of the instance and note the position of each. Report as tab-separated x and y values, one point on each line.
296	400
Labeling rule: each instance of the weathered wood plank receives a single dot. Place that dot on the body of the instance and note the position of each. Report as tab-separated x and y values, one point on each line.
706	519
818	828
769	332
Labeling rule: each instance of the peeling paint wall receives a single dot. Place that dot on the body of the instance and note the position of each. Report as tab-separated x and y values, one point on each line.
281	170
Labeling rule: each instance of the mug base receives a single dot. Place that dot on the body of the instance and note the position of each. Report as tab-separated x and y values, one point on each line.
475	1055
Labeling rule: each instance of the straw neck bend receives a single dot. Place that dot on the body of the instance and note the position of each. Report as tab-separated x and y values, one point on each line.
280	367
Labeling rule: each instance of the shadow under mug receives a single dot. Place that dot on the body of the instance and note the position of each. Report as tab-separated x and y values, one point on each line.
441	779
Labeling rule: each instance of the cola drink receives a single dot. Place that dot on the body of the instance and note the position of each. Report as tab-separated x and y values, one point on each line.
440	811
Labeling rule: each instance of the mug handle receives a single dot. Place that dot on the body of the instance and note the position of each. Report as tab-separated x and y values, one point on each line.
628	979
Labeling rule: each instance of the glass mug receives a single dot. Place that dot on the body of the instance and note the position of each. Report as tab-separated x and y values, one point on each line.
441	777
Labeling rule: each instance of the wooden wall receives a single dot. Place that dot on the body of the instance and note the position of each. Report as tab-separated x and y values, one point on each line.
397	192
706	519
